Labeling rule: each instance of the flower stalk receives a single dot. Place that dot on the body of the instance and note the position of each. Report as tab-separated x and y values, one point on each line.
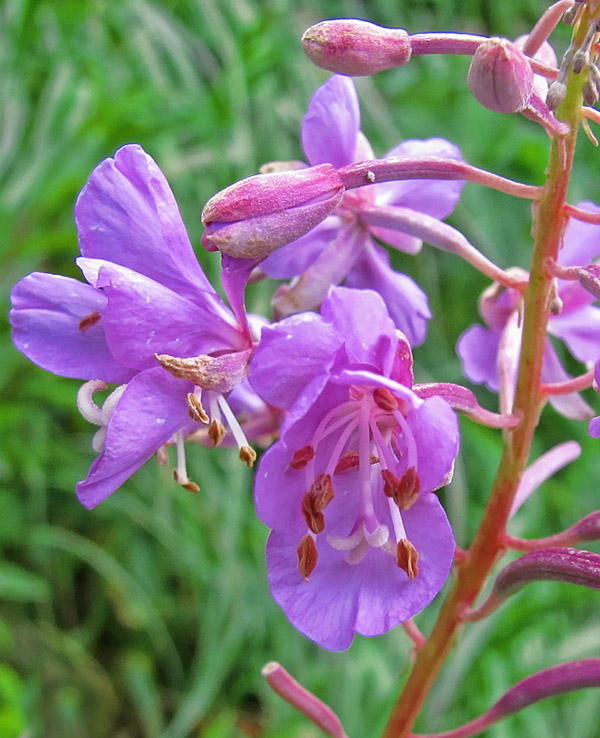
549	225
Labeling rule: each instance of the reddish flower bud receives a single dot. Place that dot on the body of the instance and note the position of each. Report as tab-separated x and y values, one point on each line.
254	217
500	77
355	47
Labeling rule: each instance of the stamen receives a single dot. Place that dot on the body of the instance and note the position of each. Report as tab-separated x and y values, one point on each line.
403	491
248	456
216	432
195	409
89	321
232	422
189	485
162	456
302	456
349	460
315	520
307	556
411	446
316	500
384	399
180	473
323	491
407	557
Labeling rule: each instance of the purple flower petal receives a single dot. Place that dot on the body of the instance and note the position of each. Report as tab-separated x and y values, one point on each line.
572	405
437	198
277	375
150	411
362	319
329	269
406	302
126	213
46	314
278	489
580	331
369	598
437	437
397	239
594	428
296	257
582	240
144	317
331	125
478	349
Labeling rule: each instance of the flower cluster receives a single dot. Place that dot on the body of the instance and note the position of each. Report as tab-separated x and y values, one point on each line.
359	540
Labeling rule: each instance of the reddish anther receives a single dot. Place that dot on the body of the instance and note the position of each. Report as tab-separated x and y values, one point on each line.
384	399
403	491
302	456
350	459
315	520
89	321
407	557
323	491
307	556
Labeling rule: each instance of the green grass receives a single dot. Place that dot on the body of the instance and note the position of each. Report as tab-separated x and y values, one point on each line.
150	616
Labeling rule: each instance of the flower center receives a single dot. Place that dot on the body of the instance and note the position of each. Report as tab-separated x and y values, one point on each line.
369	429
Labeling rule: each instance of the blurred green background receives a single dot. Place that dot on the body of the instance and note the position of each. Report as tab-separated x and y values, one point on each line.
150	616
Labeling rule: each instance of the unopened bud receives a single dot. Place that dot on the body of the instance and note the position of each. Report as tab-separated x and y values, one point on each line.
590	93
254	217
500	77
589	279
581	60
556	94
355	47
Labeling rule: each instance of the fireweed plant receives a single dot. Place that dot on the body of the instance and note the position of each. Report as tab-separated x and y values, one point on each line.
357	448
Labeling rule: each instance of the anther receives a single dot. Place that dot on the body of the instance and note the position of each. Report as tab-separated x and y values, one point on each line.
590	93
350	460
89	321
403	491
302	456
384	399
216	432
556	304
315	520
307	556
185	483
556	94
323	491
195	409
162	456
407	557
248	455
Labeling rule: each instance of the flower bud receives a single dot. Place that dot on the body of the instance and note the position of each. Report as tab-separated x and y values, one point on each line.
355	47
254	217
500	77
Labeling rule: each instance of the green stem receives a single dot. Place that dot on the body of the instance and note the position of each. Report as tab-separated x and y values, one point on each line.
488	543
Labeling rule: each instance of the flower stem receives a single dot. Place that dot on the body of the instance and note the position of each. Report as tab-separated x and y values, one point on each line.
489	544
